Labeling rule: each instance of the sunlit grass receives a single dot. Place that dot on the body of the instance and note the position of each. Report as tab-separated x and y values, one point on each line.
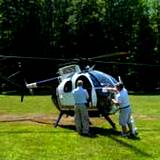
31	104
29	140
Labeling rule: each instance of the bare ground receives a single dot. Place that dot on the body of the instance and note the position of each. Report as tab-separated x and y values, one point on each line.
45	119
65	120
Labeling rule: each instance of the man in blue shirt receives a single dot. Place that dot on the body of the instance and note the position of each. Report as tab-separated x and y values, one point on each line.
81	112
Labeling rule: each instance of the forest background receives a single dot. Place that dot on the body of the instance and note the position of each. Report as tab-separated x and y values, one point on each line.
83	28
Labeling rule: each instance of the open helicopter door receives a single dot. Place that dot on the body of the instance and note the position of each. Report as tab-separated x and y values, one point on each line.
64	90
65	95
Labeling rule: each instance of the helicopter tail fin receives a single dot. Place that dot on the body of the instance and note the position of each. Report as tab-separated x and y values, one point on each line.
31	85
28	86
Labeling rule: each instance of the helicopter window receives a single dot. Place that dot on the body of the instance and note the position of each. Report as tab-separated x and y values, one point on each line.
95	81
103	78
68	70
68	86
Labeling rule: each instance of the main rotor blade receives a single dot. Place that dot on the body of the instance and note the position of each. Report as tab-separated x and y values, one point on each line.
127	63
108	55
32	58
14	74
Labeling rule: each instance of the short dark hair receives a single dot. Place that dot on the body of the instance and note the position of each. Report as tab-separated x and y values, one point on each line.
79	83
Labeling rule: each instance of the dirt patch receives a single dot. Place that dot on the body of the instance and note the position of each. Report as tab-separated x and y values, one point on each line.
65	120
38	118
147	117
46	119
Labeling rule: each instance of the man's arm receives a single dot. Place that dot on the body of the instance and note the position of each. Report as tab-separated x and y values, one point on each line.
115	102
111	89
87	94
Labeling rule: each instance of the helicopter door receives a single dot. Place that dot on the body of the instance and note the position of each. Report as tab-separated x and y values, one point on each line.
65	94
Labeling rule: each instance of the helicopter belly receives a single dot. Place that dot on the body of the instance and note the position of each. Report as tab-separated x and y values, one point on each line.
93	99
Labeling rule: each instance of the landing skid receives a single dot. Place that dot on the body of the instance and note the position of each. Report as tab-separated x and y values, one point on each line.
67	112
105	116
110	121
58	119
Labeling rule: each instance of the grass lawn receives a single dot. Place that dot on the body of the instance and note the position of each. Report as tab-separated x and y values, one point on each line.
27	132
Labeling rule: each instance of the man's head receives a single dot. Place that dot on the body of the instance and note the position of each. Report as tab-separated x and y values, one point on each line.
79	83
119	86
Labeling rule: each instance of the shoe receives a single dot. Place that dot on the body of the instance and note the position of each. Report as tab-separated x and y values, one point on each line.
136	132
131	133
86	134
123	134
132	136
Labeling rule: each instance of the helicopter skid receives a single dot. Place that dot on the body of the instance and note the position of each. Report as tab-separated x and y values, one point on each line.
93	112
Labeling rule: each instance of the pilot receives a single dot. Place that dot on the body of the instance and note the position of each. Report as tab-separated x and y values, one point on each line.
81	112
125	117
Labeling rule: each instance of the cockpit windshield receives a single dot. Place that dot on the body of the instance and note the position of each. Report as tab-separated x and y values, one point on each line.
103	78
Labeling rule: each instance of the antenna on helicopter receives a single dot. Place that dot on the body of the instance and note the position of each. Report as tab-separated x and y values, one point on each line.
120	80
88	68
91	68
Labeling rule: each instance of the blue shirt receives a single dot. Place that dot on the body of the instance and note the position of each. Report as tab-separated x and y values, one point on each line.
80	95
123	98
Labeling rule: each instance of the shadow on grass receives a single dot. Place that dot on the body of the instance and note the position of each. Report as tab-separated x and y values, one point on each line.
114	135
27	119
110	133
127	145
95	131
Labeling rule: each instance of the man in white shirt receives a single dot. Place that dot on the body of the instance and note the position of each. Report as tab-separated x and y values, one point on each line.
125	115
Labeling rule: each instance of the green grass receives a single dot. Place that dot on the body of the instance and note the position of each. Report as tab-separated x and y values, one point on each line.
29	140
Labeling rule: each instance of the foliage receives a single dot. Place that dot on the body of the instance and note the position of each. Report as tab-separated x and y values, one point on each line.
70	28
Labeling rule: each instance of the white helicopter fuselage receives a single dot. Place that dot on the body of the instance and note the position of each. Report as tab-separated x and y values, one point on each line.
94	82
64	90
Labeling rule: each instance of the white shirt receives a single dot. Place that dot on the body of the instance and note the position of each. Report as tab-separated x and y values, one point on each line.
123	98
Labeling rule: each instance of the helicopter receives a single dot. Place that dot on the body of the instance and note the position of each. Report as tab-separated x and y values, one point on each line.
95	81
